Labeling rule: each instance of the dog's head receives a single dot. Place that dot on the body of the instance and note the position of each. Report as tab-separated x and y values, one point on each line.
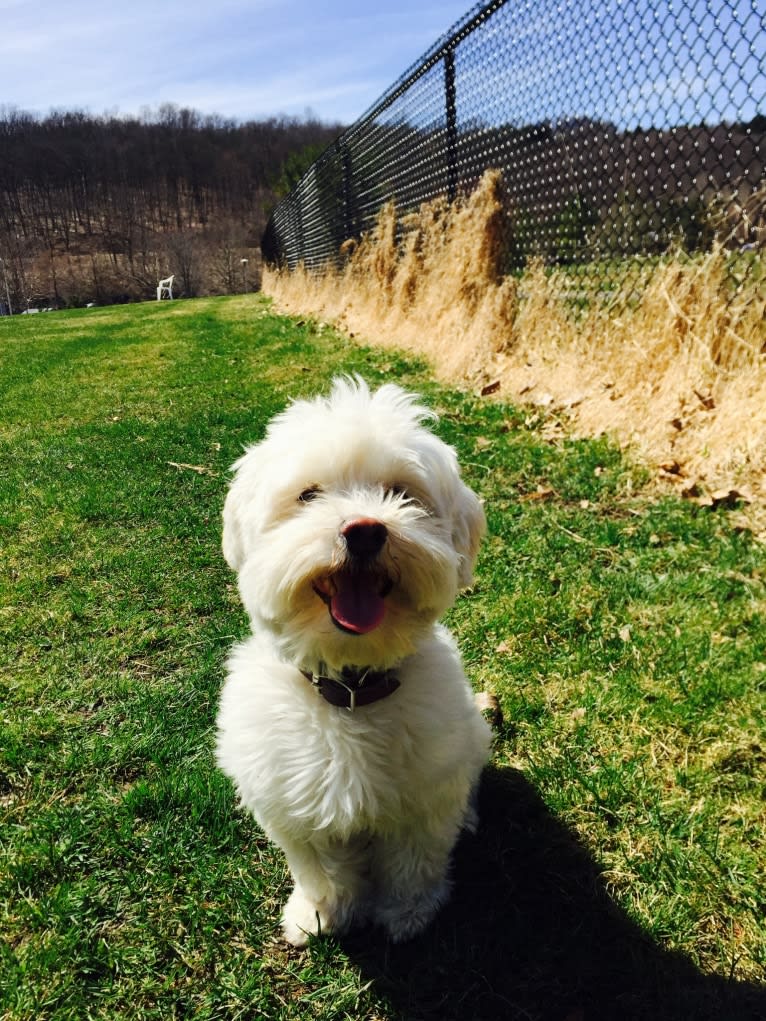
350	528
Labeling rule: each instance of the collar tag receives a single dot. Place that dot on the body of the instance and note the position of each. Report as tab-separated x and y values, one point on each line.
358	688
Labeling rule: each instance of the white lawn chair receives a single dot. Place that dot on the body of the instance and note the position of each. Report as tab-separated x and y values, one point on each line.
165	288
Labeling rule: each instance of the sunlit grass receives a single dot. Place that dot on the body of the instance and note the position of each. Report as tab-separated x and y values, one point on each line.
620	860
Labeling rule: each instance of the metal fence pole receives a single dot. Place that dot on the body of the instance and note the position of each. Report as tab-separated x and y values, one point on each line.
451	108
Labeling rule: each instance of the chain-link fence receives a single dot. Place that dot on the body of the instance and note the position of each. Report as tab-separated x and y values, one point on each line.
623	128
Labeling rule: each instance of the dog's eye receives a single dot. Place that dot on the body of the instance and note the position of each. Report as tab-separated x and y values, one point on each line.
413	497
308	494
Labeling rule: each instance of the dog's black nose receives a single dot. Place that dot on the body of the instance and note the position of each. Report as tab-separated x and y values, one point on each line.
364	537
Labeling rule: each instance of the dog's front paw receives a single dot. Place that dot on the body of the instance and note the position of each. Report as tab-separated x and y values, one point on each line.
302	918
406	917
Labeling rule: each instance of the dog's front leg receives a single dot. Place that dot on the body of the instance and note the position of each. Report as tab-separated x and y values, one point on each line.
412	871
331	885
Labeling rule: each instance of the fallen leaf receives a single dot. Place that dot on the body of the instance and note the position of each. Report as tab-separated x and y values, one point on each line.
728	497
541	493
489	707
706	400
718	498
200	469
691	490
573	402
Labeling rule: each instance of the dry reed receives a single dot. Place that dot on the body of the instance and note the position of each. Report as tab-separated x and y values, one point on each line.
674	367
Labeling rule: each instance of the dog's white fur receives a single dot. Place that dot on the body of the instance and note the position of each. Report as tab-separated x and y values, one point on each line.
367	805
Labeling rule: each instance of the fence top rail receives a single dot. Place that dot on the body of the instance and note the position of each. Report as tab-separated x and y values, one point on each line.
443	45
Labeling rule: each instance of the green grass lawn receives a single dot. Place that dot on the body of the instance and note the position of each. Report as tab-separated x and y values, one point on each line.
619	868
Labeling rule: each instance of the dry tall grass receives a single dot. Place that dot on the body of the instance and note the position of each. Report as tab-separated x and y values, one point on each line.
674	367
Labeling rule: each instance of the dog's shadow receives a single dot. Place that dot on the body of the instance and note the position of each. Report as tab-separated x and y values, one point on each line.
531	934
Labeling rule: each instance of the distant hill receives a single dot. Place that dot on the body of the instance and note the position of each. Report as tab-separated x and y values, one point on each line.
99	208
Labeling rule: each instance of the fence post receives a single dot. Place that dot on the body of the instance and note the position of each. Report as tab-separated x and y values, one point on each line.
451	105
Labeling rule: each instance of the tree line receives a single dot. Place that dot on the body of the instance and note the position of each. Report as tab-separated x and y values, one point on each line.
99	208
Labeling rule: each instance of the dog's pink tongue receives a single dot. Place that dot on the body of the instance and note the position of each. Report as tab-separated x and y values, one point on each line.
357	606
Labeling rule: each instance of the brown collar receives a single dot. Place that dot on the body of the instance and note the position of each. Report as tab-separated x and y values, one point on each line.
355	687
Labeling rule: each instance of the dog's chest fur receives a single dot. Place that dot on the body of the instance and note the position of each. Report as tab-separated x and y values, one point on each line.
301	763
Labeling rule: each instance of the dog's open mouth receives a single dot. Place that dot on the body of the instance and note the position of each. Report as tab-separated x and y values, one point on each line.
355	599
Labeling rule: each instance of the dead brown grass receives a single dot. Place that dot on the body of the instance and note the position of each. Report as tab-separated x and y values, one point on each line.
675	367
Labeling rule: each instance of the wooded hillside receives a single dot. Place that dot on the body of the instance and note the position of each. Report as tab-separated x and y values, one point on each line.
97	209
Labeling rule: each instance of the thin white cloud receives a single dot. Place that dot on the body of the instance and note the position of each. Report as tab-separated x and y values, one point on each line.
240	58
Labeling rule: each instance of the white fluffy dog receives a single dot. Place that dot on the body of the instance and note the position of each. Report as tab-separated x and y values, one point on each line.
346	721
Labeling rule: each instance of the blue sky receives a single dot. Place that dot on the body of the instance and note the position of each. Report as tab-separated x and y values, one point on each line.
634	63
259	58
239	58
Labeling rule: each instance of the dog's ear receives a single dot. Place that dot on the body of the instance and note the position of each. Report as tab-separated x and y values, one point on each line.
233	543
468	527
238	506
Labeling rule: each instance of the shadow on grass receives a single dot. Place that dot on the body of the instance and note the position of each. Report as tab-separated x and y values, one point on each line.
531	934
